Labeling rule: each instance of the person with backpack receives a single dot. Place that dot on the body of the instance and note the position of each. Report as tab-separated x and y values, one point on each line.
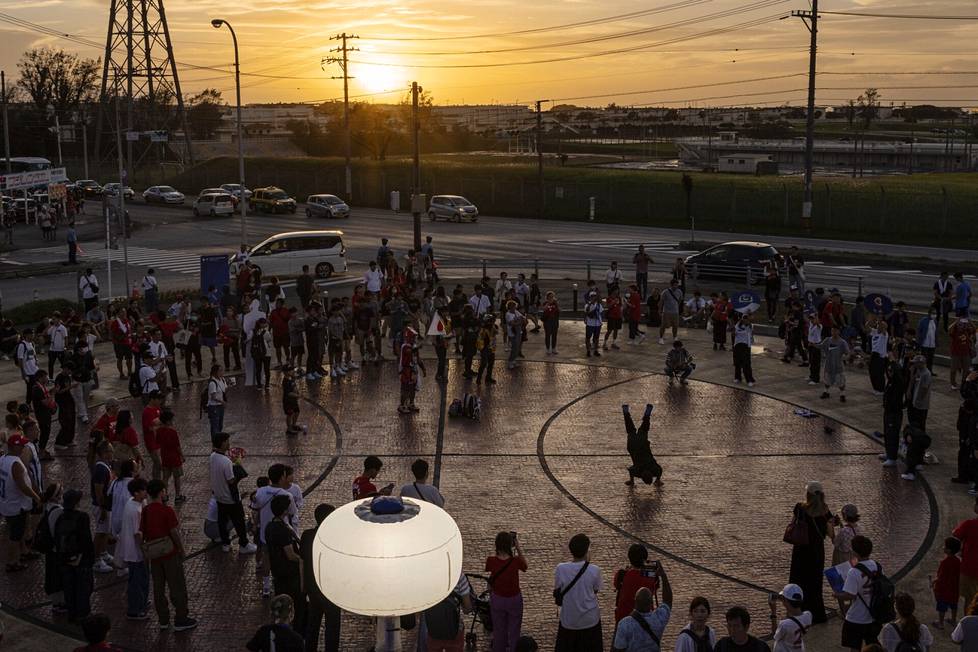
506	599
576	584
870	594
76	554
697	636
906	633
789	634
642	630
446	631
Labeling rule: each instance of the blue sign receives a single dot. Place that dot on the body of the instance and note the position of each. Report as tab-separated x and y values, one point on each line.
214	271
878	304
746	301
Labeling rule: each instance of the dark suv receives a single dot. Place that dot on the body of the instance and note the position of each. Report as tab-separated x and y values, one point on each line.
732	260
271	200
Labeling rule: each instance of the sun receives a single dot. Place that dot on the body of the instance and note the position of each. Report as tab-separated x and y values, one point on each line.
375	79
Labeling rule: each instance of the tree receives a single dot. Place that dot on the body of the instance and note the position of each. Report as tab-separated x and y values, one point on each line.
869	106
57	78
204	111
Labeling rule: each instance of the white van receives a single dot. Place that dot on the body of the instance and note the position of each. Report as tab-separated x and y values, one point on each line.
284	254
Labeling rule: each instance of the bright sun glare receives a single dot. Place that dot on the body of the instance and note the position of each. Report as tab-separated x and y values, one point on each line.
375	79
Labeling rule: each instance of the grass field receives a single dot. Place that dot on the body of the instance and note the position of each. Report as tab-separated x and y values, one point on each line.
933	209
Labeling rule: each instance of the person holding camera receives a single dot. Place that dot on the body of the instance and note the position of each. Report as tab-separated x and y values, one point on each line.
789	633
576	584
506	600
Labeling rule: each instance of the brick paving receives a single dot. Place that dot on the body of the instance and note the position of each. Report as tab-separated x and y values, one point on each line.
735	462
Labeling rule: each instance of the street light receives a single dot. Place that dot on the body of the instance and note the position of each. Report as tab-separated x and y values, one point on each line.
218	23
411	549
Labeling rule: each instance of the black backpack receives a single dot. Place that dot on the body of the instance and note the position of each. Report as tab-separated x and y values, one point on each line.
444	619
880	603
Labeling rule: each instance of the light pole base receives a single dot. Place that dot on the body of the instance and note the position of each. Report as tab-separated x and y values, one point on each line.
388	634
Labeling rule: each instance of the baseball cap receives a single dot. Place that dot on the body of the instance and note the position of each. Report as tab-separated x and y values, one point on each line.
792	592
17	440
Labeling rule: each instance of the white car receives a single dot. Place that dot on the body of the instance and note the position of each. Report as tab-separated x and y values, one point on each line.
234	189
163	195
284	254
213	204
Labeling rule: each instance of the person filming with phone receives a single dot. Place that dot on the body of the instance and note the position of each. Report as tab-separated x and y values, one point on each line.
506	600
641	630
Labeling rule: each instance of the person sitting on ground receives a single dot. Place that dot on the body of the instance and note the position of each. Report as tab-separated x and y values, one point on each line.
679	363
643	465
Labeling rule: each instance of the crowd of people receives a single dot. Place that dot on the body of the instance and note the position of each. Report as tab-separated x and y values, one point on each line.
130	527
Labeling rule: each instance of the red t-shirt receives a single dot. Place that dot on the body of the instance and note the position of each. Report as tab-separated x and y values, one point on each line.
363	487
967	534
150	414
171	455
507	582
627	584
157	522
948	577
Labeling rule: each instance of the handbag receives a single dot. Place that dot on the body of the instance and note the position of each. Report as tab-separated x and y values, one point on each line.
797	533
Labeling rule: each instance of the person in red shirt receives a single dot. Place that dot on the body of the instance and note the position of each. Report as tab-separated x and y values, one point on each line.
159	521
947	585
95	629
151	420
613	310
629	580
171	455
362	485
967	533
506	600
278	319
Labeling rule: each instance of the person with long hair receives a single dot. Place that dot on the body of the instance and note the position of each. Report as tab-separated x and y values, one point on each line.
966	632
808	559
506	600
906	628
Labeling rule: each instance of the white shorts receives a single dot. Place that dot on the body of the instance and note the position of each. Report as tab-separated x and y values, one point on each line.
104	527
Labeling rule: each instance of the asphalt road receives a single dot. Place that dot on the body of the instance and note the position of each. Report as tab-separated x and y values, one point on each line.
171	241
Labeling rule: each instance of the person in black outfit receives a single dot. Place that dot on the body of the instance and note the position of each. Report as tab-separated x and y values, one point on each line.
319	606
643	465
76	553
285	638
284	559
808	559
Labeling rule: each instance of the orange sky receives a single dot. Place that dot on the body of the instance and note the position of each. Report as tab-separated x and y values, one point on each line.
285	40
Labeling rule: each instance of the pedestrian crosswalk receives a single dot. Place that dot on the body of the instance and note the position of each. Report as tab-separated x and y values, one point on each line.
624	244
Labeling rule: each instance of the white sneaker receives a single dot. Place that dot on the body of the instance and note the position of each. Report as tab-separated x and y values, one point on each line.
889	462
249	549
102	567
661	341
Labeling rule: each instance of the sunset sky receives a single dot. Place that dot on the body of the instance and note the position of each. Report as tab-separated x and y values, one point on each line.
288	38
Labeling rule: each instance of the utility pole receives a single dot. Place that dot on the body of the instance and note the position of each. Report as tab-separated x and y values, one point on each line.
343	49
810	18
543	191
6	121
416	198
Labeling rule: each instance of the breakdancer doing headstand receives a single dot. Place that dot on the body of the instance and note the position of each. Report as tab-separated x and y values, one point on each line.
643	465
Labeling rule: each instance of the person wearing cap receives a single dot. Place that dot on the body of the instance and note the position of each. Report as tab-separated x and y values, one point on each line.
918	397
17	500
789	633
808	559
279	635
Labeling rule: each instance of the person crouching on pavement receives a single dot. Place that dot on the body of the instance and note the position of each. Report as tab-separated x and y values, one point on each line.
643	465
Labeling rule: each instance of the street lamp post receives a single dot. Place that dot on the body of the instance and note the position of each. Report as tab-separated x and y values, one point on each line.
218	23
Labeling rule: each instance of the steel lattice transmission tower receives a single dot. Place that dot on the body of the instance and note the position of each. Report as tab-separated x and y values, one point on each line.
140	69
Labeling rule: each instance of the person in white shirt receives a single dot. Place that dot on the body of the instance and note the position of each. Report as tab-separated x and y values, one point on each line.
906	628
129	550
612	277
57	336
480	303
224	490
88	284
576	585
420	489
859	627
373	278
26	359
789	634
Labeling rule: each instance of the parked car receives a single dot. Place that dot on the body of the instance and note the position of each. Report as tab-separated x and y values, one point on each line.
271	200
163	195
214	203
234	189
326	206
218	191
90	187
112	189
284	254
732	260
452	208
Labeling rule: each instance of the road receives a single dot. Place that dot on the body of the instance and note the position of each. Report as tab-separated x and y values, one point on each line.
171	241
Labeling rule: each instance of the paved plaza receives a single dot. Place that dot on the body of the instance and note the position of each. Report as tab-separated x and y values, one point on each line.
548	460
